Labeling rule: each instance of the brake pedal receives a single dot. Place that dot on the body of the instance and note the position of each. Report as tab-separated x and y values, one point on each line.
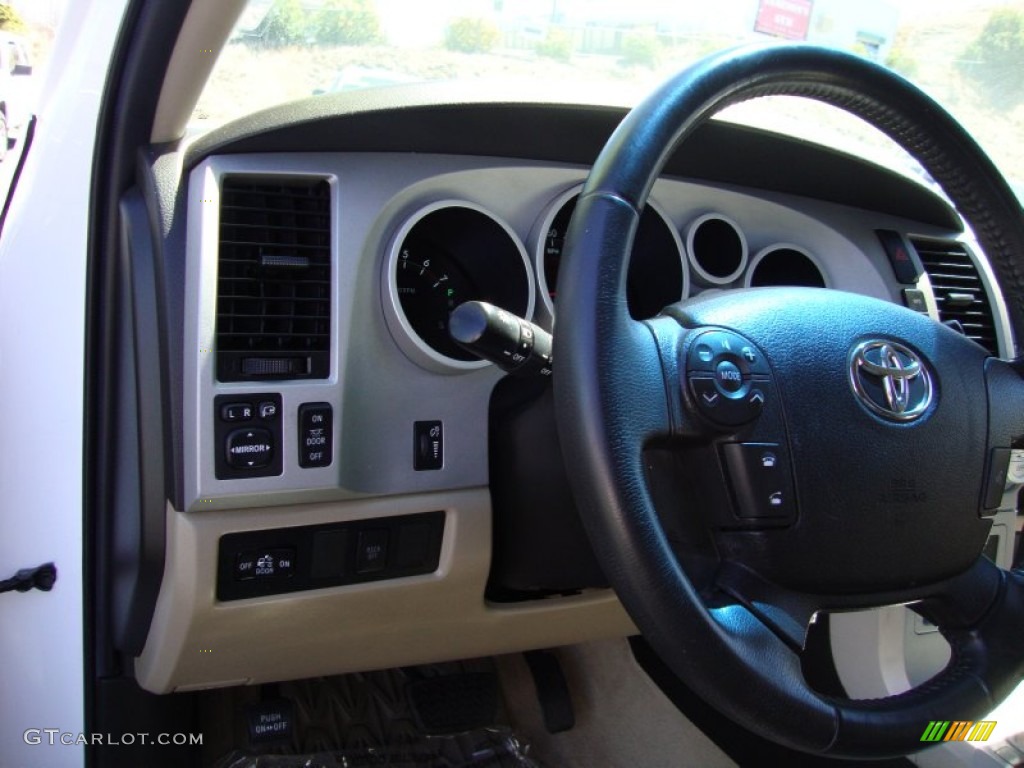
453	703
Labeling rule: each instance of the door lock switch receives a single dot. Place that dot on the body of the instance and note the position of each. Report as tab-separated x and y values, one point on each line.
316	427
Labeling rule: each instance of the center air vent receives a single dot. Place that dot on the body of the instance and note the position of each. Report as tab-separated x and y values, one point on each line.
959	292
274	279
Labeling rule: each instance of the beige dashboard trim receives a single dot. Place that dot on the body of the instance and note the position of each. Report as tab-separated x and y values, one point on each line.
197	642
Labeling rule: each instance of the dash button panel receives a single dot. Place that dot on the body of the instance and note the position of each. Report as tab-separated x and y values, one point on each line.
428	445
729	378
316	435
247	435
761	481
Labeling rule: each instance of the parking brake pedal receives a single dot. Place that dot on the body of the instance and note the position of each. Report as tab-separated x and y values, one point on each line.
552	691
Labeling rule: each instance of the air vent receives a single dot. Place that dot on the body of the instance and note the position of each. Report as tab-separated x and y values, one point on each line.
274	280
959	292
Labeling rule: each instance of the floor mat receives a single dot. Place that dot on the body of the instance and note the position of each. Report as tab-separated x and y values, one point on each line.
435	716
495	747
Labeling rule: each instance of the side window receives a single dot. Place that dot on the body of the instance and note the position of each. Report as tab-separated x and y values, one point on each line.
26	39
19	62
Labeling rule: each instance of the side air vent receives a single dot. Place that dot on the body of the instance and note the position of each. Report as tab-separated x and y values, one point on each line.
958	289
274	279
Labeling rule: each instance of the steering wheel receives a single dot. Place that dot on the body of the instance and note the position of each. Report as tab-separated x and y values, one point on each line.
825	451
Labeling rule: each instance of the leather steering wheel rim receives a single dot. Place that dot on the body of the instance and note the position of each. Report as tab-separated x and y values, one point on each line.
726	653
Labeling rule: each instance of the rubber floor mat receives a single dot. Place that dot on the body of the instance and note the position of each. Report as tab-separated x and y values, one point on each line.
485	748
434	716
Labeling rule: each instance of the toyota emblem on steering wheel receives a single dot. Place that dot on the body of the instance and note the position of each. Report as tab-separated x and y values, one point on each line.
891	380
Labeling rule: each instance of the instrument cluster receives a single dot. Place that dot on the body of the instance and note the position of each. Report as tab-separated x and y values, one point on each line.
454	251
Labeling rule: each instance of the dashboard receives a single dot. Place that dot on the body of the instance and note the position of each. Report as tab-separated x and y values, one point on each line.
334	451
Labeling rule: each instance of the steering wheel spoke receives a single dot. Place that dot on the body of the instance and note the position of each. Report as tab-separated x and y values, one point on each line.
643	378
1005	384
788	614
962	602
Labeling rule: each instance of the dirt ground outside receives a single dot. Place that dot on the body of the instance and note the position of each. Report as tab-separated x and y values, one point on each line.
248	78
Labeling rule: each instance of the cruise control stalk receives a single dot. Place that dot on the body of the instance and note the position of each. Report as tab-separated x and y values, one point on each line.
515	345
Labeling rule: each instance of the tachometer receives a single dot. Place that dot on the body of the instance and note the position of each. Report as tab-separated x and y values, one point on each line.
430	285
446	254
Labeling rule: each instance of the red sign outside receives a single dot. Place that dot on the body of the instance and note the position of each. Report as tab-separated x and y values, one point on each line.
784	18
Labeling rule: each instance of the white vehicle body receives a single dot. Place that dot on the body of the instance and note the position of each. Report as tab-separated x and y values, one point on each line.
42	292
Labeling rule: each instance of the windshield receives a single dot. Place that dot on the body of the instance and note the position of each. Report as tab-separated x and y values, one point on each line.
968	54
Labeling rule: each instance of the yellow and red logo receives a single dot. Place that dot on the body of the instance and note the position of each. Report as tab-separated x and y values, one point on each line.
958	730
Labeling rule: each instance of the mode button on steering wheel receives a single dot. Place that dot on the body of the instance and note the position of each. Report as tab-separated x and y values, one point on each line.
711	348
728	378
